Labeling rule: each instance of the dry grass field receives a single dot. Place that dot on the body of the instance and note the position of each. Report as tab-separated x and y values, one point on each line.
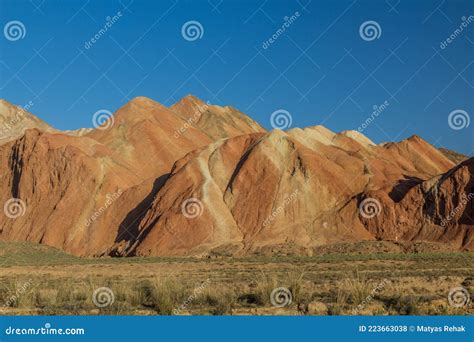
42	280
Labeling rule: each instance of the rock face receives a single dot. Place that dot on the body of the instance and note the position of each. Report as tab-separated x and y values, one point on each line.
199	179
438	209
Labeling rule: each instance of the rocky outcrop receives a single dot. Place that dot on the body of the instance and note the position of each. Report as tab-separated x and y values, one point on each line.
439	209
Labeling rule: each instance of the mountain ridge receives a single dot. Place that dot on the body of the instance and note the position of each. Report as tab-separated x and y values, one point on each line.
124	188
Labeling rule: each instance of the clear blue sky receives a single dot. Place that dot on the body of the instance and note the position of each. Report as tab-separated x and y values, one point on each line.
320	69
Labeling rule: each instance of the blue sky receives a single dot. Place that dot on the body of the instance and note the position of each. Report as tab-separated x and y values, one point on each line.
319	69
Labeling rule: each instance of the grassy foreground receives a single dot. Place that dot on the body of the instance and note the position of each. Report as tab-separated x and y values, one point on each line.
42	280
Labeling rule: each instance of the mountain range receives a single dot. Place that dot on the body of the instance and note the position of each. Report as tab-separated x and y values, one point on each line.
196	179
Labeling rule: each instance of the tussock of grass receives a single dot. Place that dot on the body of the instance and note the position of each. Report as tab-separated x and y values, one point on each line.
221	301
162	295
357	287
265	285
340	304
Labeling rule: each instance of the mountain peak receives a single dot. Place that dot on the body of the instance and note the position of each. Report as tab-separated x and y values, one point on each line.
145	102
215	121
192	98
415	137
190	103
